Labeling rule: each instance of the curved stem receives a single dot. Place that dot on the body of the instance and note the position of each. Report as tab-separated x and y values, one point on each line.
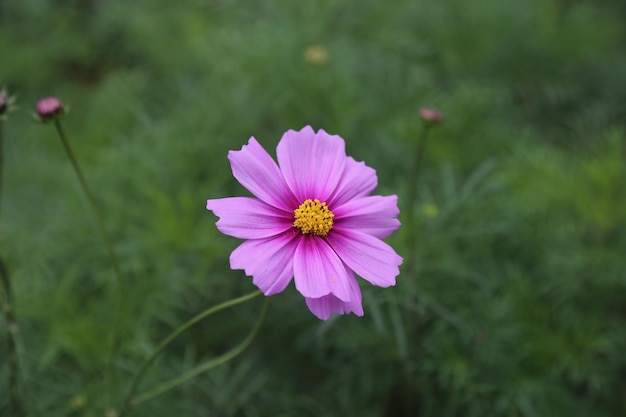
213	363
175	334
92	201
109	245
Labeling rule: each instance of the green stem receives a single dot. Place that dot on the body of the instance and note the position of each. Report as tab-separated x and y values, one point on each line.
15	402
213	363
412	197
417	163
1	159
131	401
109	245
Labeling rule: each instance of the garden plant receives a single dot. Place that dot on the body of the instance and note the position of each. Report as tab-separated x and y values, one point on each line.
333	208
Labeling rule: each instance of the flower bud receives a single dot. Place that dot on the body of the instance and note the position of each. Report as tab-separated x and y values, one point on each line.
49	108
430	116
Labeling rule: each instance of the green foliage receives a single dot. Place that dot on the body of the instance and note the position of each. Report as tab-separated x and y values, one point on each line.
511	296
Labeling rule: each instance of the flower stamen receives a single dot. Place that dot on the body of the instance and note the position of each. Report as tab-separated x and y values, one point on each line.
313	217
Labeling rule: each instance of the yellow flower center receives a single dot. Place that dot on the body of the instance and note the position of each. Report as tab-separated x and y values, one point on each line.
313	217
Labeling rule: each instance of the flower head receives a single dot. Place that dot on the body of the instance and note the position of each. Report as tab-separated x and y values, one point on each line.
430	115
49	108
313	220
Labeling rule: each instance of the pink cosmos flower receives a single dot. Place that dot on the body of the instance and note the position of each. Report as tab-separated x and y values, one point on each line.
312	221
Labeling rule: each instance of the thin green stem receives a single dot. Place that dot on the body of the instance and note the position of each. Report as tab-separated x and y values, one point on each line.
15	401
208	365
92	201
135	383
412	196
417	163
1	159
109	246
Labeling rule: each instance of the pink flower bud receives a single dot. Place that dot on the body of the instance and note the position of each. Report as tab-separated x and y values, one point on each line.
49	108
430	115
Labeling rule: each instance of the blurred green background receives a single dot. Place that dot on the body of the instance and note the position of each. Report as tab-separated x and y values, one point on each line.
513	302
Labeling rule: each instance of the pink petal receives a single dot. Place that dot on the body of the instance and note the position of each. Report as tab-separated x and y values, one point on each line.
357	180
318	271
374	215
255	169
248	218
311	163
368	256
269	261
328	305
